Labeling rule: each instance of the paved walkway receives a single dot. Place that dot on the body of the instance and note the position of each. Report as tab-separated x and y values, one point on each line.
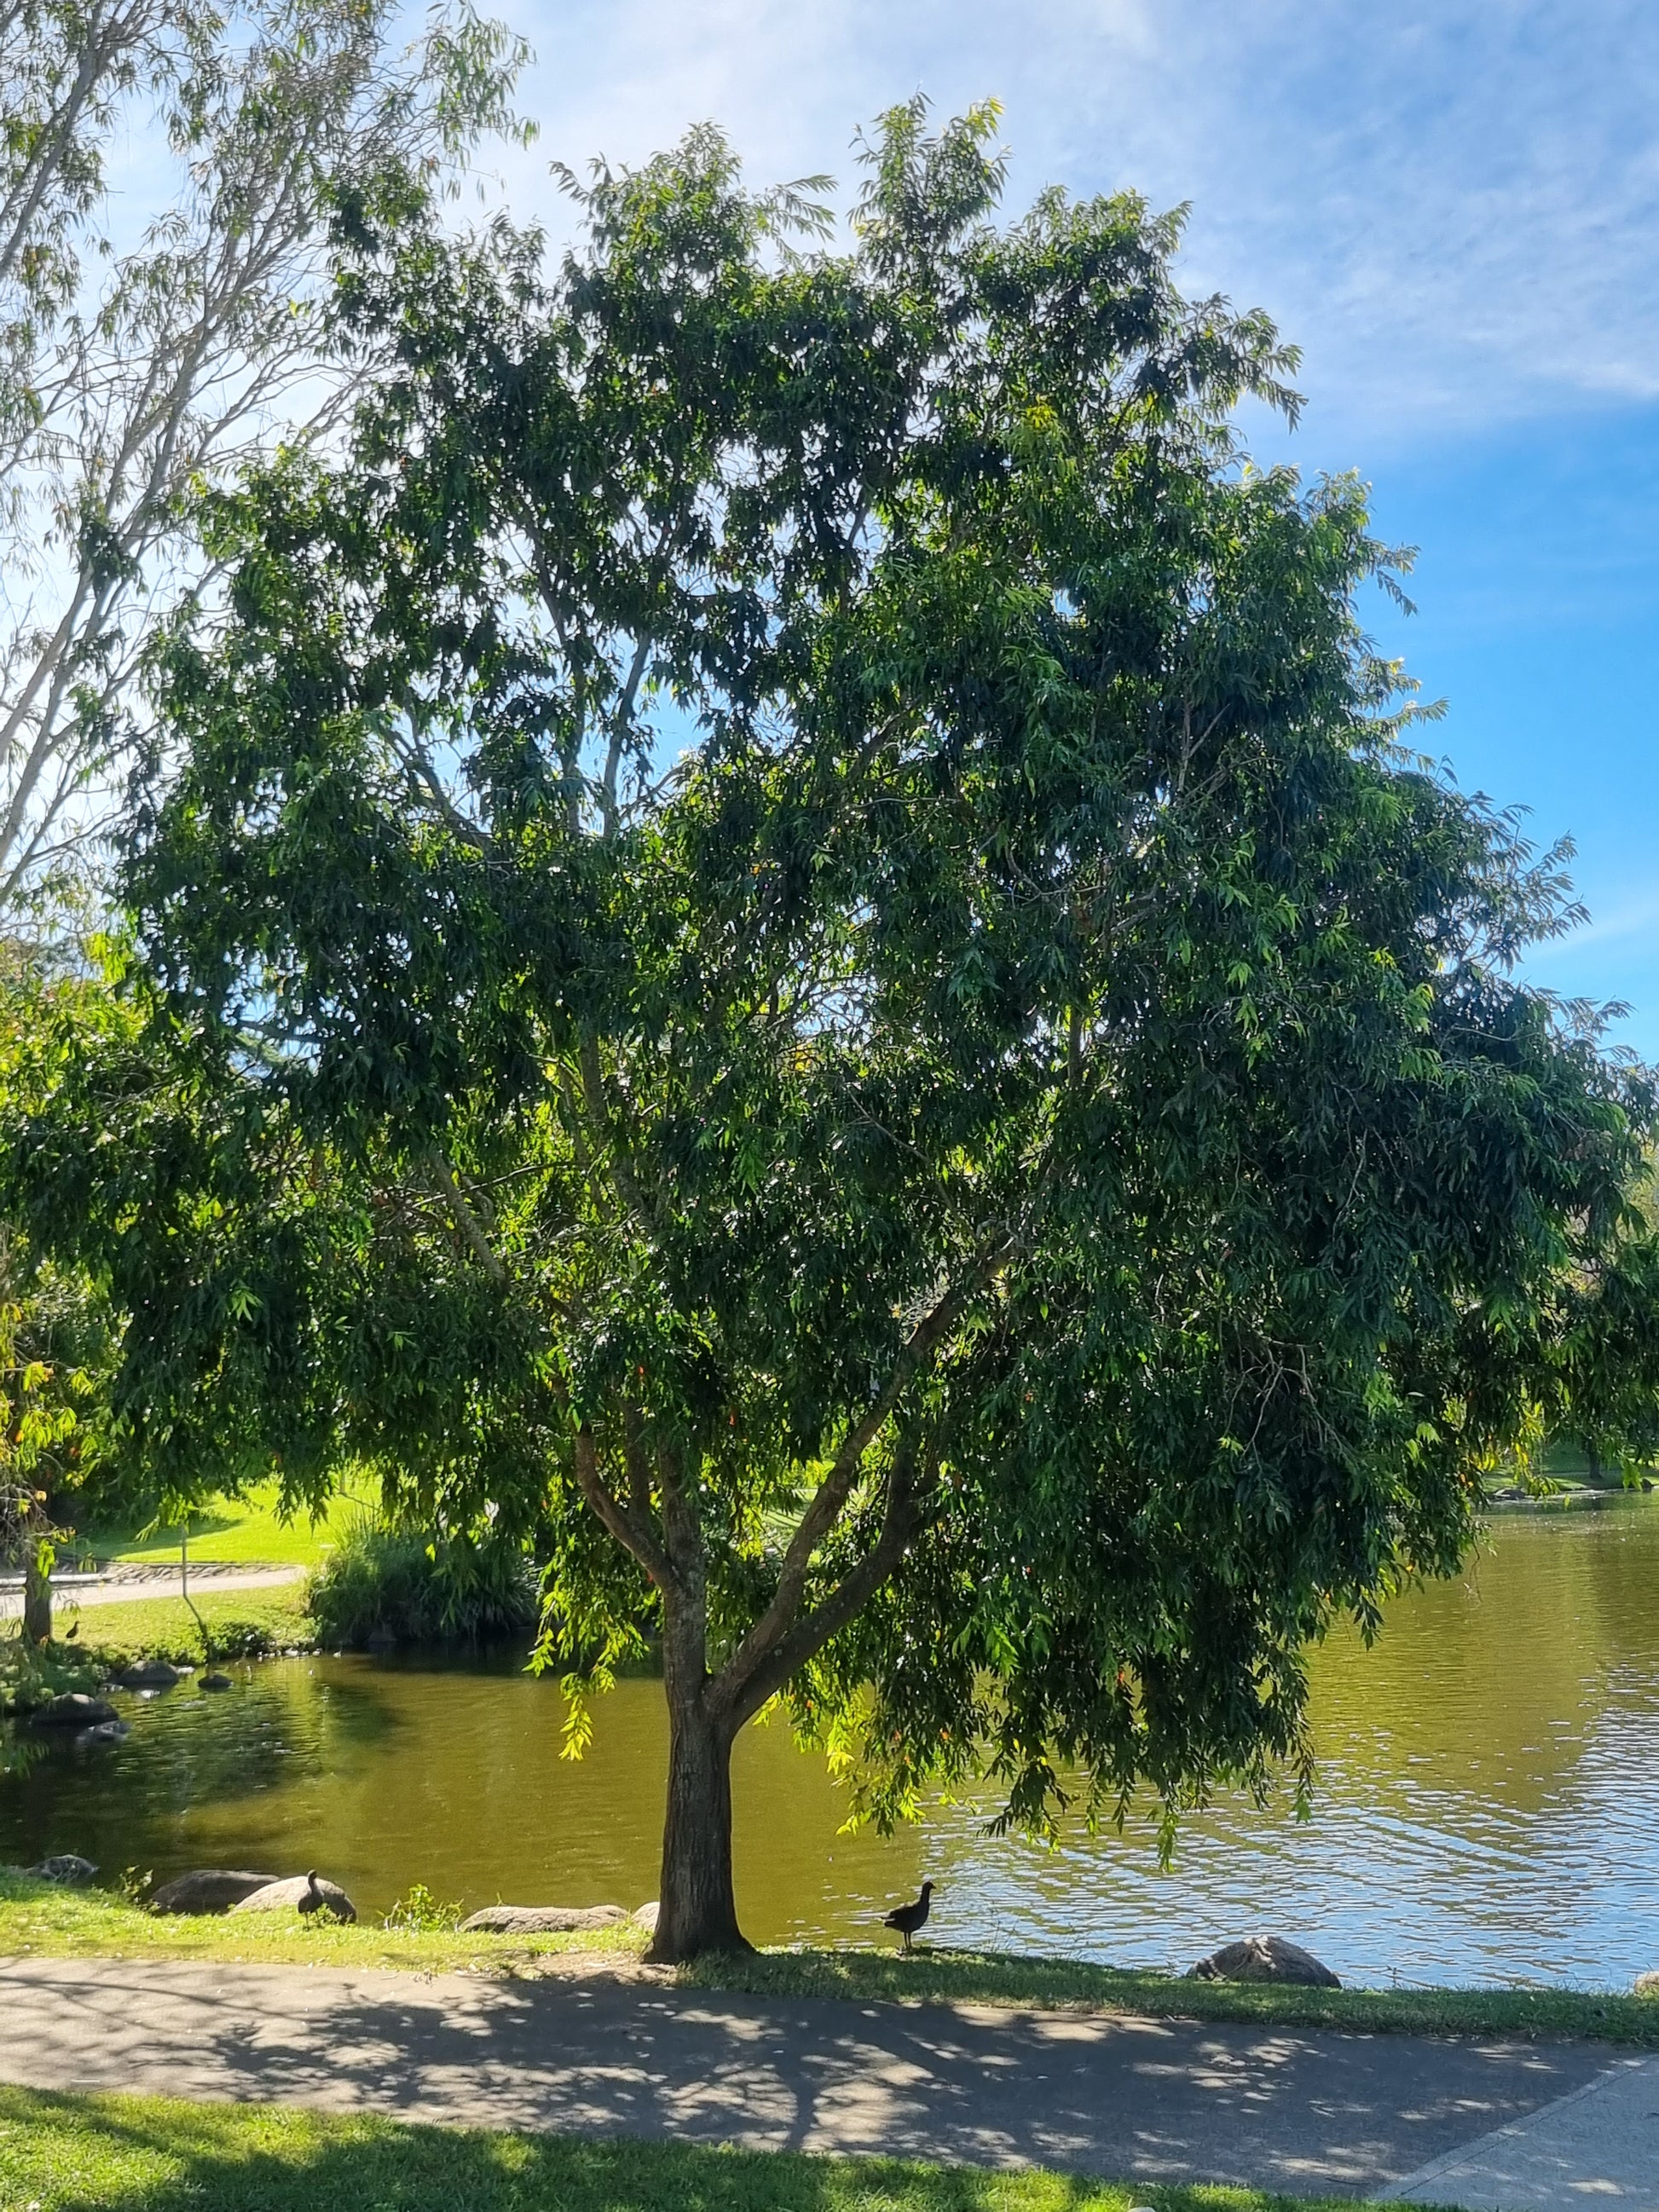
124	1584
1154	2100
1601	2143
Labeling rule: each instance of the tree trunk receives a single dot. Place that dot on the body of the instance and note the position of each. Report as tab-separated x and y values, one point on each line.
37	1600
696	1910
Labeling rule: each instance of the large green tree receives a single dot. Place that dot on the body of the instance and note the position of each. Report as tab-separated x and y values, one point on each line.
793	933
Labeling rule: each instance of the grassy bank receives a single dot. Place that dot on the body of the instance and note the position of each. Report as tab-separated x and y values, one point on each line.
240	1624
78	2154
245	1624
39	1919
987	1978
36	1919
228	1531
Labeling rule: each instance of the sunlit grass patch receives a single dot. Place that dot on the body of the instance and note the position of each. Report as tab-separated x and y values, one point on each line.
79	2153
233	1531
240	1624
42	1919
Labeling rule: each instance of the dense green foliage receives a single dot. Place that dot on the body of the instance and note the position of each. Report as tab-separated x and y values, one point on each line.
792	935
419	1590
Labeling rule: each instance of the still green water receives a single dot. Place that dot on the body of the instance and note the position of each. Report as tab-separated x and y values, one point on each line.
1488	1806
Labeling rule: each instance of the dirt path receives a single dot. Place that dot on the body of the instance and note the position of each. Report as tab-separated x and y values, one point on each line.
1153	2100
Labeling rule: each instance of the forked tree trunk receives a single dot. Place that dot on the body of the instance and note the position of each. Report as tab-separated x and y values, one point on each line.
696	1910
37	1600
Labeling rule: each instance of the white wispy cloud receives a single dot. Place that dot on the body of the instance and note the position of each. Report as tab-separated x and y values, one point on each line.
1632	923
1453	204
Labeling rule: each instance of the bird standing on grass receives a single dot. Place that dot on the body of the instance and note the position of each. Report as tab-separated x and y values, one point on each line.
911	1919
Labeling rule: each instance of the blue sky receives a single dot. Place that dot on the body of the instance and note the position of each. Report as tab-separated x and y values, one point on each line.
1451	205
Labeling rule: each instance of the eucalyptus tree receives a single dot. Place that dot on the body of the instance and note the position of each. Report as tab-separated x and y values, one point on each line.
139	357
796	938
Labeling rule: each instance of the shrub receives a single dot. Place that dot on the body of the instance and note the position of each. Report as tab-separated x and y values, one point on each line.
231	1638
421	1913
31	1675
381	1578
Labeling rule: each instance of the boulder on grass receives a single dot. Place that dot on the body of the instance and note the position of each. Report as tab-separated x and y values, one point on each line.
66	1868
210	1889
74	1709
646	1916
300	1892
541	1919
1265	1958
151	1675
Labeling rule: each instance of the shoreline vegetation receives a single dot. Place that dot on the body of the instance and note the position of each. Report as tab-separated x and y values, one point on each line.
249	1624
64	2152
42	1919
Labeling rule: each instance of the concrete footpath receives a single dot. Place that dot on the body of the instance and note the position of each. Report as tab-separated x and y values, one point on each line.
1534	2127
127	1584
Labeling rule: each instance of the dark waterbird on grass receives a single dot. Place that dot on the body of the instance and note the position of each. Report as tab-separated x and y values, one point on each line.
911	1919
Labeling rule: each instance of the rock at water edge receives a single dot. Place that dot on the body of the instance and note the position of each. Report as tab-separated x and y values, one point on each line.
151	1675
210	1889
646	1916
74	1709
300	1892
103	1732
541	1919
1265	1958
67	1869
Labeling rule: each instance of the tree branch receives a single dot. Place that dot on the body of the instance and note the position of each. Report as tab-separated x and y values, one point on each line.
466	1219
844	1603
681	1526
627	1186
616	1517
830	1500
619	725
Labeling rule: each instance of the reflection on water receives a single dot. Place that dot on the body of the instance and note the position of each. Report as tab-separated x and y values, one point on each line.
1488	1806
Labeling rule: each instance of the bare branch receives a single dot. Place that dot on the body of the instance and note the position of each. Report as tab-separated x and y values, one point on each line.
829	1499
628	1531
619	727
843	1604
466	1219
609	1143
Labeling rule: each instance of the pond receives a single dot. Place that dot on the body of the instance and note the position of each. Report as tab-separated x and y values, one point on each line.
1488	1806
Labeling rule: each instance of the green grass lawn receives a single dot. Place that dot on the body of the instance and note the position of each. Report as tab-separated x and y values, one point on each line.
36	1917
230	1531
244	1624
77	2154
